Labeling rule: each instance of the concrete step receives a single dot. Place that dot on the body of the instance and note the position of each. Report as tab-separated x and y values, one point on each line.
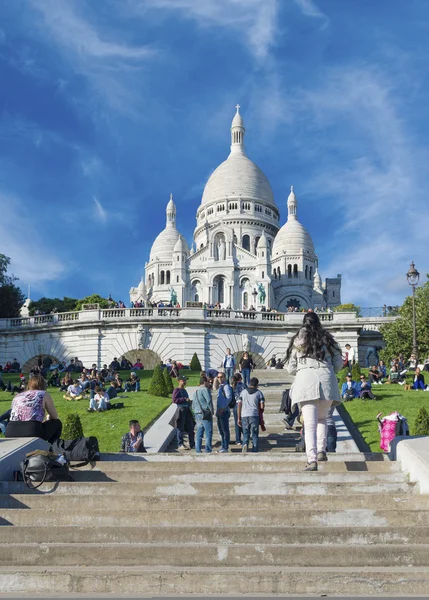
159	581
129	515
191	534
325	476
209	555
275	456
90	499
304	486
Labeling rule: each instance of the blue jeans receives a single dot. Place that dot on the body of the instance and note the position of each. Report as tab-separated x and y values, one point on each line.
238	429
203	427
223	426
250	425
370	351
246	376
418	385
290	418
229	372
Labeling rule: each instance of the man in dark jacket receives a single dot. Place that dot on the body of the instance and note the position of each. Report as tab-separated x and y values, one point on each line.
183	417
250	403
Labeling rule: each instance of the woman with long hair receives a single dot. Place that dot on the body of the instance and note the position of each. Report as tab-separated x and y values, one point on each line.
314	357
33	413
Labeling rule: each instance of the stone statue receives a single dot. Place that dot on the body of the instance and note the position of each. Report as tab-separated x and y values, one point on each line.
173	297
245	338
141	336
221	249
262	294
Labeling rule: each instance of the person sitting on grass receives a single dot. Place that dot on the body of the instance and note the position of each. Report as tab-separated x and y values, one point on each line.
349	389
100	401
419	381
112	390
84	383
395	376
54	379
119	382
133	383
374	376
382	368
133	441
15	366
125	364
365	392
17	389
66	381
139	365
74	391
114	365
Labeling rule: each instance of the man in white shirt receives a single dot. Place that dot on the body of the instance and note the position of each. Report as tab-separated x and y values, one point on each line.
74	392
100	400
349	357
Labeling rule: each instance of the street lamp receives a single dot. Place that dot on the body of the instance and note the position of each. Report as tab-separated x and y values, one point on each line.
254	294
413	280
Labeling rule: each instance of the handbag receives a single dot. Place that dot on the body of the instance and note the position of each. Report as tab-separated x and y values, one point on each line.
40	466
83	450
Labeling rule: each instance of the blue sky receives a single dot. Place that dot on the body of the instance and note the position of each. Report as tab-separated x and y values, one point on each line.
107	106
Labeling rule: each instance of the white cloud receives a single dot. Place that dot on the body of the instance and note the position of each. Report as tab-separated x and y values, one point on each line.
255	21
100	212
33	260
310	9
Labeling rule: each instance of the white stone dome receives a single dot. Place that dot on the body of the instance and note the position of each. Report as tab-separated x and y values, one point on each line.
181	245
292	237
163	246
238	177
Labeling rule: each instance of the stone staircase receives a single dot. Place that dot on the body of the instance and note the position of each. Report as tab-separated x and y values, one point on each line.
233	524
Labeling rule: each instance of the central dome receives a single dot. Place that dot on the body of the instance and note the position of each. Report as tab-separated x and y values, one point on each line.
238	177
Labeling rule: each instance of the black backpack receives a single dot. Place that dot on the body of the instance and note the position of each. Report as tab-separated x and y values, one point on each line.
40	466
82	450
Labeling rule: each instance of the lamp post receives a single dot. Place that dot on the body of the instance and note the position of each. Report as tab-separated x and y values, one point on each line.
254	294
413	280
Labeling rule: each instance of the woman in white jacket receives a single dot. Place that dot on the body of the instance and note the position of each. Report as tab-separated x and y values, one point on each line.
314	356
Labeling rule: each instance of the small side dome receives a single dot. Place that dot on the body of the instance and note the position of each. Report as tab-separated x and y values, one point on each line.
292	237
181	245
263	241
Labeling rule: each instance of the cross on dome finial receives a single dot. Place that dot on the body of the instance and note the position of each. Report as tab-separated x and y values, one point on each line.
291	188
237	106
171	196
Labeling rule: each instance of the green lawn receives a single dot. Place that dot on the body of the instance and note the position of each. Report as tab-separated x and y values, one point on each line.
108	426
389	398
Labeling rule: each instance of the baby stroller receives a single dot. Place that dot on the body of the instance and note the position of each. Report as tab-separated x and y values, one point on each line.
390	427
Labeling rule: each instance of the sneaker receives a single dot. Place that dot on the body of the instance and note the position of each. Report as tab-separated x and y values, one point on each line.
90	410
321	457
222	451
311	466
182	447
288	427
244	448
238	443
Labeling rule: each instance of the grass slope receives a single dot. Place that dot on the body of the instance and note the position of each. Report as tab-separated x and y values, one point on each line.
390	398
109	426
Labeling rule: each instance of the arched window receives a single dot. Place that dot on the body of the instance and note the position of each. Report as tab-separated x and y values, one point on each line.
306	271
275	273
246	299
295	270
289	271
201	246
162	277
311	272
196	298
246	242
168	277
257	241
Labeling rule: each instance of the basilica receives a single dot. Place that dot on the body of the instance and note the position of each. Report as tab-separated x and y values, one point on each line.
240	255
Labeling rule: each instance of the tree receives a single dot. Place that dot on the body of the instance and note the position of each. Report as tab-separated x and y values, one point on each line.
72	427
342	375
157	386
348	308
356	372
195	363
398	335
168	381
94	299
46	305
11	297
421	424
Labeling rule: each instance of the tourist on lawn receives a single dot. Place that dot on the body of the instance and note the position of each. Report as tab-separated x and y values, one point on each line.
133	441
114	365
125	364
237	386
119	382
139	365
112	390
16	389
202	405
412	363
374	376
183	418
349	389
54	379
395	376
74	391
246	365
100	401
84	383
133	383
418	381
365	392
174	370
7	367
382	368
225	396
66	381
29	408
229	365
250	403
314	356
349	357
15	366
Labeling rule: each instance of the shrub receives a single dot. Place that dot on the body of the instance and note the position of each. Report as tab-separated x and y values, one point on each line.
195	363
342	376
356	372
421	424
168	381
72	427
348	308
158	386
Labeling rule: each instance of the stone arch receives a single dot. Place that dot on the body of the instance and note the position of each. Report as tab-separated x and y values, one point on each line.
149	358
296	297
